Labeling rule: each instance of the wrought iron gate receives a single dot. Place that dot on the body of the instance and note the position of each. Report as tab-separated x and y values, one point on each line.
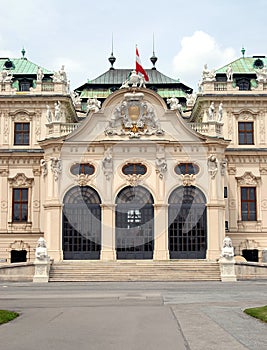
81	224
187	224
134	224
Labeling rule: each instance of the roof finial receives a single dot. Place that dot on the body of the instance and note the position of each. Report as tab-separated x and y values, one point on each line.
243	51
23	53
112	59
153	59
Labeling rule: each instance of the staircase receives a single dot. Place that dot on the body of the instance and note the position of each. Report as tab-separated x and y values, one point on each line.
134	270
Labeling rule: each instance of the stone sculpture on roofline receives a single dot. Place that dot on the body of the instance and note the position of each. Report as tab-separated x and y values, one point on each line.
134	80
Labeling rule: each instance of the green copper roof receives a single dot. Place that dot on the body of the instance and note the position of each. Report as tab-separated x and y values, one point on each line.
21	66
104	93
118	76
99	93
243	65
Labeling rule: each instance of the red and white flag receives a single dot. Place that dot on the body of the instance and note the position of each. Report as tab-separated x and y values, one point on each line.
139	68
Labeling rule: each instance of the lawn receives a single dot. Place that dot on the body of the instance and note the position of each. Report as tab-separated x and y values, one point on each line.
6	316
258	312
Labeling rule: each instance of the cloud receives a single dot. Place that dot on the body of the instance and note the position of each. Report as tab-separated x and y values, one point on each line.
197	50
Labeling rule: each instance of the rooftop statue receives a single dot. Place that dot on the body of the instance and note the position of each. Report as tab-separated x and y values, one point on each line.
93	104
174	104
262	74
208	75
39	74
5	76
60	76
134	80
229	73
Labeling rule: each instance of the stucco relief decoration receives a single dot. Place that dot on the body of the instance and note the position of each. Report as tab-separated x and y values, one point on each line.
262	127
83	179
3	205
4	172
188	179
264	204
19	245
248	179
161	163
134	118
43	165
231	170
56	167
107	163
263	170
36	204
223	165
134	179
212	165
248	244
20	180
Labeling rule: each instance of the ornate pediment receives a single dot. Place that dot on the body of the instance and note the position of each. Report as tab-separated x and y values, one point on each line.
20	180
134	117
248	179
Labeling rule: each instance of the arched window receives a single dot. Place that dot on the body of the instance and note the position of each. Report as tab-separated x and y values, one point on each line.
187	223
81	224
134	223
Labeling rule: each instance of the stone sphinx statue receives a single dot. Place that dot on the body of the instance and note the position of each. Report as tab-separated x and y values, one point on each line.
227	249
41	249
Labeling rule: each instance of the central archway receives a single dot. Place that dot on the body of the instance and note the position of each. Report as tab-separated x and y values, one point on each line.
187	223
81	224
134	223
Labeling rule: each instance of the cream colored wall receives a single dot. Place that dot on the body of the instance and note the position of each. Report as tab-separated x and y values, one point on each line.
241	106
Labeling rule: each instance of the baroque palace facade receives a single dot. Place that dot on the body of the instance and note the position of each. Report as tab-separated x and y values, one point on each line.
123	170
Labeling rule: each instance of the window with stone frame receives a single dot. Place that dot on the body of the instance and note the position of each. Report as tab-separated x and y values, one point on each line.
20	198
246	133
248	204
20	205
21	134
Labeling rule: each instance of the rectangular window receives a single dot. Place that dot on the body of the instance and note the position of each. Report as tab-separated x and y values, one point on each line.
20	205
245	133
21	133
248	204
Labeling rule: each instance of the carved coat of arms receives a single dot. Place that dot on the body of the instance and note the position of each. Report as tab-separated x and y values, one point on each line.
134	117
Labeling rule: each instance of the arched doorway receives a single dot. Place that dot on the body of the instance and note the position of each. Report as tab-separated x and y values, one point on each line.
187	223
81	224
134	223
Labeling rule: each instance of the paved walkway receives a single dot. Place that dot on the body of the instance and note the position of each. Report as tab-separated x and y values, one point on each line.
133	316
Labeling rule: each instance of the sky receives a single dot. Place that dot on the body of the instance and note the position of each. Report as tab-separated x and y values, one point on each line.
78	34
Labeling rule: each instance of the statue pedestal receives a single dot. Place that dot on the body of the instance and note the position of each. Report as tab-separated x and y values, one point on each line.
227	266
42	267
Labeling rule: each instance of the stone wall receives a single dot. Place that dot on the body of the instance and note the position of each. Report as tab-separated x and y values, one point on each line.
19	272
250	271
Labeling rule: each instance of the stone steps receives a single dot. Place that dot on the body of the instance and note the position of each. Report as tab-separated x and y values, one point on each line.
119	271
